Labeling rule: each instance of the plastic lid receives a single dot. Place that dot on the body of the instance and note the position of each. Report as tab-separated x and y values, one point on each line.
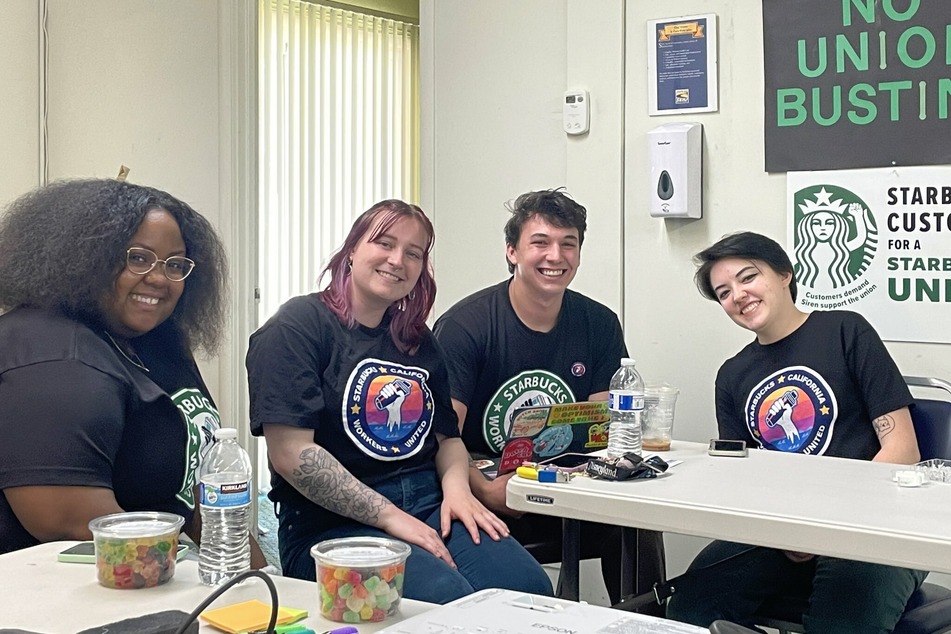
226	433
355	552
662	391
135	525
627	361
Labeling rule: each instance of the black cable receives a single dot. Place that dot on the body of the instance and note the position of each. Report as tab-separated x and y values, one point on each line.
191	618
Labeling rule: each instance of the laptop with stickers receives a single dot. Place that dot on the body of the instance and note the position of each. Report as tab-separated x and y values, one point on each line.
544	432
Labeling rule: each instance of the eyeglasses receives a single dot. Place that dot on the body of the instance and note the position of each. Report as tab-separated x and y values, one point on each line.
140	261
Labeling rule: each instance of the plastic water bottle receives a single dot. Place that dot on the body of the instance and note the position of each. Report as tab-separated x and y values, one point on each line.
626	402
225	549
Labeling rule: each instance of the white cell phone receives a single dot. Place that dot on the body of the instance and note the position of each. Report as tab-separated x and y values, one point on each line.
85	553
735	448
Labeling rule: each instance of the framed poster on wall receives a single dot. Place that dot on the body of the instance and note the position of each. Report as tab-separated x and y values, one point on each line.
682	64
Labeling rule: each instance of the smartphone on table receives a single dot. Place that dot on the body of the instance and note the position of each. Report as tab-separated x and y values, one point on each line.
568	461
85	553
735	448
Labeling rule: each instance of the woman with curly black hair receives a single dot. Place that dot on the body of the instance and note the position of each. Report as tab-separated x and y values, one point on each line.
107	288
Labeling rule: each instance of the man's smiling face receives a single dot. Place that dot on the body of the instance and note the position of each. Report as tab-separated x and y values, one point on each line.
546	257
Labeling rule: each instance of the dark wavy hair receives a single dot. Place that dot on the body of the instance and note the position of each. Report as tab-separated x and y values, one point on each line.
745	245
62	246
408	315
554	205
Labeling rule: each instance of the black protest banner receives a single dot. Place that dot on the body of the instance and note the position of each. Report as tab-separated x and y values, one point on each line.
856	83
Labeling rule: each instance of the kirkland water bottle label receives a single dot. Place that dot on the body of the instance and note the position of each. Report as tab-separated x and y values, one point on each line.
225	495
624	401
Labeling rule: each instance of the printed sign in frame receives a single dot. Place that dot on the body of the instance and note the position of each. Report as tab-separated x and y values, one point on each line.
876	241
682	64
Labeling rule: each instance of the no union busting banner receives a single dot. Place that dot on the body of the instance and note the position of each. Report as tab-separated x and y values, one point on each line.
876	241
856	83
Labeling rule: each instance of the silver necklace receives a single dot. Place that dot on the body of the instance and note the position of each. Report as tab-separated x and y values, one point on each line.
134	359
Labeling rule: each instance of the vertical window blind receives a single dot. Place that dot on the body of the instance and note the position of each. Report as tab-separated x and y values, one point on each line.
339	125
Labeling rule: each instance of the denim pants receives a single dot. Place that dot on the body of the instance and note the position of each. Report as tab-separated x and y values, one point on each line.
489	564
845	597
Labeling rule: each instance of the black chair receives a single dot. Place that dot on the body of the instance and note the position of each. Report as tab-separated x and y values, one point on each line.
929	609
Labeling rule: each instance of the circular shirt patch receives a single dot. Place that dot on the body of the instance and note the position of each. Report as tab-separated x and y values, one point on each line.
792	410
531	388
388	409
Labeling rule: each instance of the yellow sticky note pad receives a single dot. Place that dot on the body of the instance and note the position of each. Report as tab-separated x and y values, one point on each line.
248	616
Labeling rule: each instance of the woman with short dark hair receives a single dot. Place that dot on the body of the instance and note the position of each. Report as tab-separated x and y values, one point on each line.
818	383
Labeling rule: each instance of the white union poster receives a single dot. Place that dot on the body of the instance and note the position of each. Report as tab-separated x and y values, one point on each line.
878	242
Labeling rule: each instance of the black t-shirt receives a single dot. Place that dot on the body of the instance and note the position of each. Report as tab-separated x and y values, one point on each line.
374	408
815	391
497	364
73	411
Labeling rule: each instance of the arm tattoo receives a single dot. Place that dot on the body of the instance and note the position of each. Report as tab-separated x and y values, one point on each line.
883	425
324	481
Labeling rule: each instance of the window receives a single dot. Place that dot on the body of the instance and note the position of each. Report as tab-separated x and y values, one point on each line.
339	130
339	125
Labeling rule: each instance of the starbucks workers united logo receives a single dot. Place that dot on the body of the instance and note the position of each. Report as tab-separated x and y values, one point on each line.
527	389
835	239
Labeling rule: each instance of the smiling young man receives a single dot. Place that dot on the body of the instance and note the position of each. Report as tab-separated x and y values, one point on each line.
530	341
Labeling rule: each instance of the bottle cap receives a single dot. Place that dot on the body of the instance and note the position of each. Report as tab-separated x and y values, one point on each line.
627	361
226	433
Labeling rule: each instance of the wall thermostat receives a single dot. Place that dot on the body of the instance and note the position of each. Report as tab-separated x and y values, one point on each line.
575	111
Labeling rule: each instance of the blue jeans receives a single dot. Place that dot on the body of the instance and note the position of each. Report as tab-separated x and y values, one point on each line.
845	597
490	564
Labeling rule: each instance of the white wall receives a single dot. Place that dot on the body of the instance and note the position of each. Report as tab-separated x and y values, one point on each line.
19	106
491	111
494	74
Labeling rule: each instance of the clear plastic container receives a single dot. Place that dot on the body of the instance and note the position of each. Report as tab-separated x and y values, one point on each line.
936	470
136	549
658	421
360	579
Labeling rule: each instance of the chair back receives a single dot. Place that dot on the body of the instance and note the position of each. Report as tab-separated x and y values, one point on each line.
932	419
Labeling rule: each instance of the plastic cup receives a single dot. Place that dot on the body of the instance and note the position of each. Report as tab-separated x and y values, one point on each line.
360	579
136	550
658	421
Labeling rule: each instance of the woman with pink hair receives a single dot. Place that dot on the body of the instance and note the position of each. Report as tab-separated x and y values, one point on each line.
349	388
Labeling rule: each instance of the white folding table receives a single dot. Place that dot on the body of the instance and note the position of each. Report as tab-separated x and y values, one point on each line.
827	506
43	595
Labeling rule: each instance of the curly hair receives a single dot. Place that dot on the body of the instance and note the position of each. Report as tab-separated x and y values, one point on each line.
62	247
554	205
408	321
